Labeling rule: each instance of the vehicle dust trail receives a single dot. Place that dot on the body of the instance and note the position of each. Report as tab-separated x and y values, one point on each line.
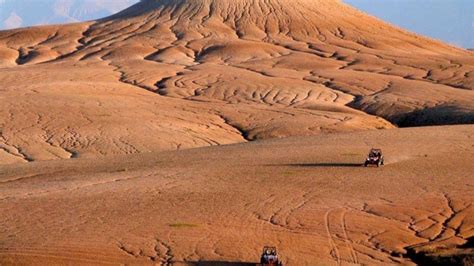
396	158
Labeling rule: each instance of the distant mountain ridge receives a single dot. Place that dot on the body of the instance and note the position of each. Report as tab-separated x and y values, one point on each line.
13	13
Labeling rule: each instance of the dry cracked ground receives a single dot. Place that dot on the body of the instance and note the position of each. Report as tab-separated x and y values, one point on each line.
197	131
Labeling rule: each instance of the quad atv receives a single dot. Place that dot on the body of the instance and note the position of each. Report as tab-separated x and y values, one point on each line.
375	158
270	257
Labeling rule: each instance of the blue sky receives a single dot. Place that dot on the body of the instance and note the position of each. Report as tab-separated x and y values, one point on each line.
22	13
449	20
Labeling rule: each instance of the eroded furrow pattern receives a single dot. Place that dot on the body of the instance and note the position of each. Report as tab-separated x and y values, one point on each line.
269	69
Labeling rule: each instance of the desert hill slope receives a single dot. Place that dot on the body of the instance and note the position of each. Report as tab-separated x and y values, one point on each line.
307	195
310	80
172	74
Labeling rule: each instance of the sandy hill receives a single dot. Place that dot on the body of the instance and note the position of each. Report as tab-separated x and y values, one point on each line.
213	206
122	94
187	73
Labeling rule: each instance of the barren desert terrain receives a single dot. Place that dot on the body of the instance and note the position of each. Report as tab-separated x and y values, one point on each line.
198	131
309	196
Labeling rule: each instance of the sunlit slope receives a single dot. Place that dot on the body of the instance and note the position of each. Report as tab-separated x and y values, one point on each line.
309	196
247	69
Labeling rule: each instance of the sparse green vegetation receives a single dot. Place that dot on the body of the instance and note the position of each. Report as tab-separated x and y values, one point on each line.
182	225
288	173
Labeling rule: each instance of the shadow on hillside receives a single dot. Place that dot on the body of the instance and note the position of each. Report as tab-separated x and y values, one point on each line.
220	263
462	255
316	165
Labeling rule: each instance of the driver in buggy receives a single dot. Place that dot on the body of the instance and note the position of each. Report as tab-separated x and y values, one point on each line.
375	157
374	153
270	257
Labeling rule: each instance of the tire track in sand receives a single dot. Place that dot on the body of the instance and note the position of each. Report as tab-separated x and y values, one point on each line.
342	248
334	250
355	259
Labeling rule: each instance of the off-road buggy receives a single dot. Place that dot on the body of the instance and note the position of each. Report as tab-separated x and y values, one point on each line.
375	158
270	257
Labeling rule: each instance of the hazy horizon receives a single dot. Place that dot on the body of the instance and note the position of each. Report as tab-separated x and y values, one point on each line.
449	21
